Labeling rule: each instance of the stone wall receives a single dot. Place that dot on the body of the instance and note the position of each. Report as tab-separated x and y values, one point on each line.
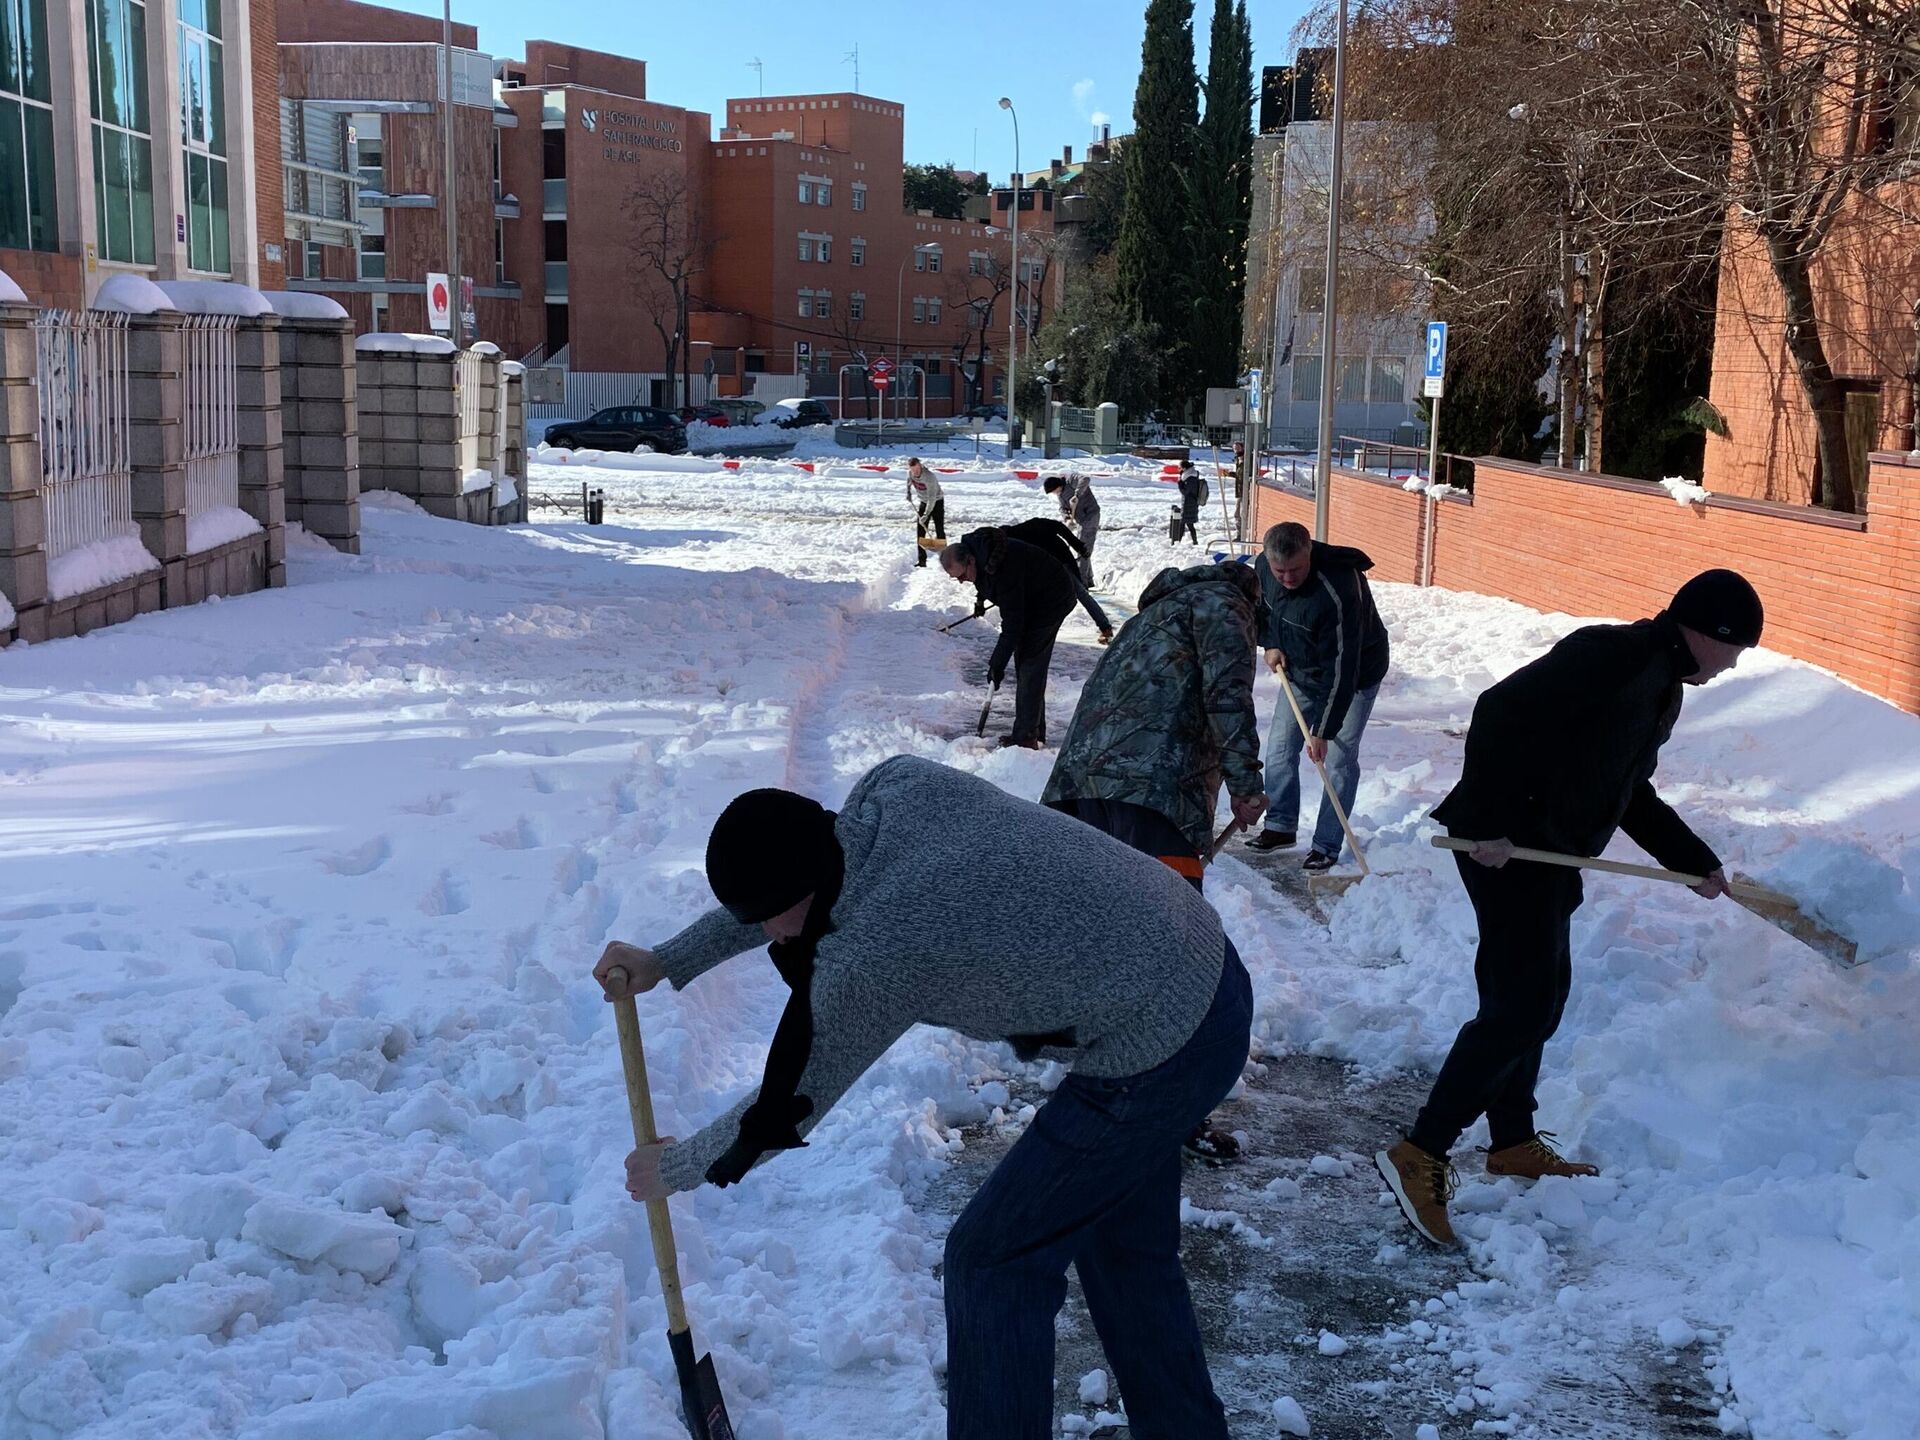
319	415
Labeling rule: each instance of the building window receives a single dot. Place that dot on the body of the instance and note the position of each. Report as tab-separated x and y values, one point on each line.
976	263
373	257
823	304
919	258
369	154
1389	382
857	253
805	310
857	306
122	130
26	129
823	193
806	247
933	310
1352	386
933	260
919	310
203	135
826	248
859	197
806	192
1313	288
316	266
499	252
1306	378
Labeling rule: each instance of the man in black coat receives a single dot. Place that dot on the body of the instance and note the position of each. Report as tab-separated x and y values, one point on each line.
1193	494
1560	754
1324	633
1035	597
1052	538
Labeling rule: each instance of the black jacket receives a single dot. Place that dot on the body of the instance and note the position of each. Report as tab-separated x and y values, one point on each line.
1030	586
1193	492
1561	753
1333	639
1051	537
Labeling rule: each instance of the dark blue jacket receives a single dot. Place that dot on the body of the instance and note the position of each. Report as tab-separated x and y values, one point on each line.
1333	639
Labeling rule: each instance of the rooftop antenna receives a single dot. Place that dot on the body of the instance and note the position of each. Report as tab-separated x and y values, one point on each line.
759	68
852	57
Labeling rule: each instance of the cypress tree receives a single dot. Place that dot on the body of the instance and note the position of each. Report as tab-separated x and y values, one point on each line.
1151	258
1219	195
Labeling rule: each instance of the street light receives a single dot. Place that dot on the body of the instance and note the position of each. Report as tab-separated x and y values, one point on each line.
1013	295
899	293
1330	313
451	193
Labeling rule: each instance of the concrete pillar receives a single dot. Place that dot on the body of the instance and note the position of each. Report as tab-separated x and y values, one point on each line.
156	446
436	446
320	402
513	376
23	516
259	397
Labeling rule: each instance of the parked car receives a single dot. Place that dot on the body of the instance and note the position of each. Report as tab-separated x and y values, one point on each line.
741	410
792	414
623	427
986	412
705	414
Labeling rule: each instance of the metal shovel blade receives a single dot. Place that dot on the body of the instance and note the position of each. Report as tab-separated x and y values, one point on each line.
701	1405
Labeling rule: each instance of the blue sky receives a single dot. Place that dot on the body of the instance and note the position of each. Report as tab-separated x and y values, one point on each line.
947	64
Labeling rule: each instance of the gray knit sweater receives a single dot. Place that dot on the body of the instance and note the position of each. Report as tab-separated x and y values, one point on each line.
1039	924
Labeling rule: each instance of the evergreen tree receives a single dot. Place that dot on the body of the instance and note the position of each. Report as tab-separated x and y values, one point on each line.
1220	196
1151	258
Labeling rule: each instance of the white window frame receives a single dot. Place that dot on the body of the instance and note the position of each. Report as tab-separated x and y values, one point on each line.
806	192
933	309
823	304
933	254
857	305
857	252
859	196
977	262
806	248
806	304
823	247
919	310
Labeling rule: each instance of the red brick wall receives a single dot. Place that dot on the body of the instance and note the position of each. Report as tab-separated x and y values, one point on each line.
1842	592
268	177
53	282
305	22
551	63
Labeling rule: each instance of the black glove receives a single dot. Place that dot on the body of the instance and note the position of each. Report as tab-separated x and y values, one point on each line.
995	674
979	608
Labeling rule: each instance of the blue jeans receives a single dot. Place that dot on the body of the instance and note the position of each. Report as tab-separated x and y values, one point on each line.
1284	743
1094	1183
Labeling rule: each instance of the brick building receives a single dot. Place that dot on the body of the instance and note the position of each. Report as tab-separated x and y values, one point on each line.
129	142
788	224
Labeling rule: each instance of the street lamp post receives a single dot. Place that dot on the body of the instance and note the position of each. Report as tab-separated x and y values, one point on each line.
899	344
1013	294
1330	315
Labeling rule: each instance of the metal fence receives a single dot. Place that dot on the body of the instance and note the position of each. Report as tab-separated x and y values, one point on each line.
211	422
88	484
470	380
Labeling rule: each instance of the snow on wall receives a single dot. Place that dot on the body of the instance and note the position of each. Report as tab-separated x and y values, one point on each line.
395	343
92	566
217	527
133	295
214	297
10	292
301	305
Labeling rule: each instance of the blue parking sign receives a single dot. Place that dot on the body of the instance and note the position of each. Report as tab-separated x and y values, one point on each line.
1436	370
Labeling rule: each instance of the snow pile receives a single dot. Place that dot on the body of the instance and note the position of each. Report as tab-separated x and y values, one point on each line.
476	480
721	438
398	343
132	295
7	617
484	347
1289	1418
1685	492
10	292
91	567
215	297
512	367
1850	889
218	526
640	463
302	305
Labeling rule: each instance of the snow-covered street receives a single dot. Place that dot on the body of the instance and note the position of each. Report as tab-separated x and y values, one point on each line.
312	1118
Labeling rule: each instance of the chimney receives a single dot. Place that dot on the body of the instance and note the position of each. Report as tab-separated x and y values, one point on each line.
1056	169
1106	134
1066	155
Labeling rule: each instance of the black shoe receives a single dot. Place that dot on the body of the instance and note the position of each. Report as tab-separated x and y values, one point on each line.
1216	1147
1273	840
1318	861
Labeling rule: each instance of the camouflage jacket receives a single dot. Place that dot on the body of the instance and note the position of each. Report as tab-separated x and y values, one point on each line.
1168	711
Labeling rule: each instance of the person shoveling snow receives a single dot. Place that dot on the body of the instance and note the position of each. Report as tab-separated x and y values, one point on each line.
1154	1020
1560	754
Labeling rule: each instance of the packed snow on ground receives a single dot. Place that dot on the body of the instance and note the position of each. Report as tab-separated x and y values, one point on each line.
103	562
312	1120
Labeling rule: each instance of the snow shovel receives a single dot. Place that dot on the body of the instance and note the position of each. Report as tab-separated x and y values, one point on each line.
1327	884
985	710
701	1405
931	542
1772	906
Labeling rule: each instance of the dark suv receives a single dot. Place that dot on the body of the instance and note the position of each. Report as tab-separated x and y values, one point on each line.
790	415
623	427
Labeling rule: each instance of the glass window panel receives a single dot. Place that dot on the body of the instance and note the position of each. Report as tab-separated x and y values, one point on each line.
199	213
194	13
1306	377
93	62
1389	386
222	253
140	172
216	99
108	59
13	177
41	218
36	80
136	68
116	228
9	46
99	188
1353	380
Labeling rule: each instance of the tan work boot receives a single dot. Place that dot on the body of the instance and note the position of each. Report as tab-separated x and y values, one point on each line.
1531	1159
1423	1184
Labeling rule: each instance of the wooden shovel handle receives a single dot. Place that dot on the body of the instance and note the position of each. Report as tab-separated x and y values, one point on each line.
1744	889
633	1059
1326	783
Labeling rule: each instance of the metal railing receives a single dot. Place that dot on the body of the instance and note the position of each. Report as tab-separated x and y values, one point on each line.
211	422
470	381
87	481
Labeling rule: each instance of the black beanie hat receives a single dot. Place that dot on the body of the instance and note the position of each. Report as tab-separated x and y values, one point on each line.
1722	604
1052	483
768	851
